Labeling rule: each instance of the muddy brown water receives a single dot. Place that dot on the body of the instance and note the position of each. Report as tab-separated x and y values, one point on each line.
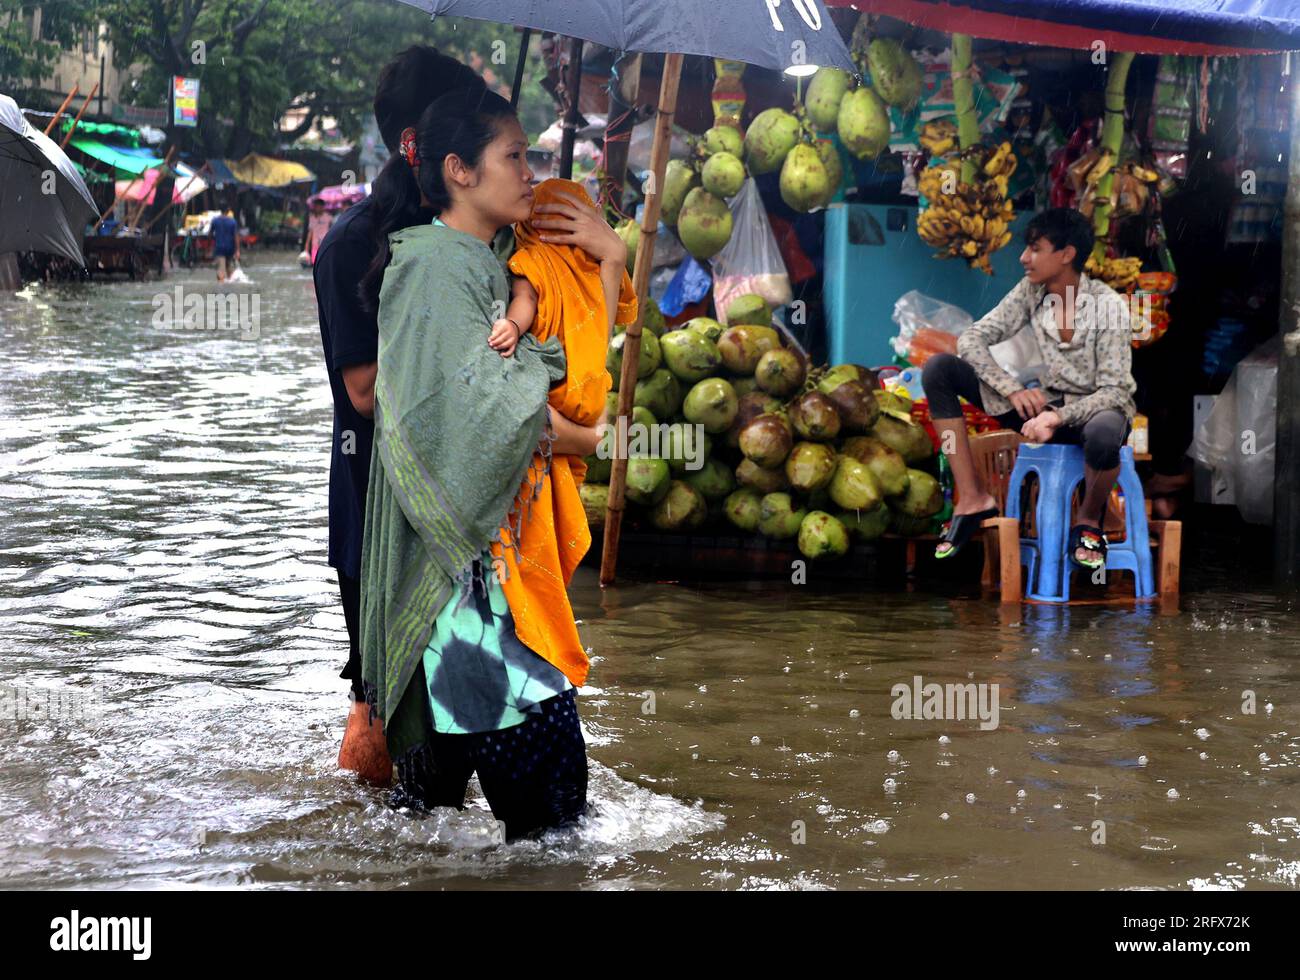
162	545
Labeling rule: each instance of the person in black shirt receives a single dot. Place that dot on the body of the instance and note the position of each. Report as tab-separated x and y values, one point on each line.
350	338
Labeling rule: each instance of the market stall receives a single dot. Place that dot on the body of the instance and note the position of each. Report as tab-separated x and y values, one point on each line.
920	169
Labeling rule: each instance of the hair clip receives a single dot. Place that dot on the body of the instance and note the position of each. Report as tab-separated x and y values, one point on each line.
408	145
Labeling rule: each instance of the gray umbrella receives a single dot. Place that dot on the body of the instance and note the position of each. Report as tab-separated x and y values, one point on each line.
44	203
780	34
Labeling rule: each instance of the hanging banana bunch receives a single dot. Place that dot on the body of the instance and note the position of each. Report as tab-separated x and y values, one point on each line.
1120	274
969	221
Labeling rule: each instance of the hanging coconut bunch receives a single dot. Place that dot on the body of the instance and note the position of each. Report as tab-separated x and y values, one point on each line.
968	220
757	440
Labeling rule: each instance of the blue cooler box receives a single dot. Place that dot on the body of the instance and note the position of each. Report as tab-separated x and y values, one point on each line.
874	256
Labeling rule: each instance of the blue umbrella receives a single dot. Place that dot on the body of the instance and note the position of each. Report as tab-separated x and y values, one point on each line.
788	35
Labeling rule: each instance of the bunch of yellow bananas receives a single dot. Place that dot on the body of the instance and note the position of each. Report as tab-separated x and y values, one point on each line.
1119	274
968	221
939	136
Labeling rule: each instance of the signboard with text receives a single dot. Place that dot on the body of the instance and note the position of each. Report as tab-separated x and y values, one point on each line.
185	101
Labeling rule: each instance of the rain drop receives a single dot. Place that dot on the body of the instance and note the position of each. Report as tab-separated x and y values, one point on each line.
1263	757
1204	756
855	713
1202	733
1142	760
892	755
943	816
755	740
1172	794
992	771
970	797
944	740
1021	794
890	785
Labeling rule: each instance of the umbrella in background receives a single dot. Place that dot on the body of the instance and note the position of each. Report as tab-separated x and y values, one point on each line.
796	37
44	204
187	185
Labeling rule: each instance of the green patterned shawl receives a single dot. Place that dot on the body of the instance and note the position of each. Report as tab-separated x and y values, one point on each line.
456	426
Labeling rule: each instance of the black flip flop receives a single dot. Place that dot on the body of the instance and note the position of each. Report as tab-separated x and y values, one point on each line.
960	529
1096	543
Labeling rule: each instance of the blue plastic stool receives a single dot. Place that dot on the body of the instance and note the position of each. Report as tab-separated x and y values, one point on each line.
1060	470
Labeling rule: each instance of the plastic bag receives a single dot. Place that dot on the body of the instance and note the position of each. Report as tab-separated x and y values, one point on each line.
751	261
927	326
689	285
1238	440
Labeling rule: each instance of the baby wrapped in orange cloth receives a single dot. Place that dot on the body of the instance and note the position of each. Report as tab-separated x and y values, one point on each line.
570	304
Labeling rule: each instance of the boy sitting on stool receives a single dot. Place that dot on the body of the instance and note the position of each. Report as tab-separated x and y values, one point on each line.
1083	331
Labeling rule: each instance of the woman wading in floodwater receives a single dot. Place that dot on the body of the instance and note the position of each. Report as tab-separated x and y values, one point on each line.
470	535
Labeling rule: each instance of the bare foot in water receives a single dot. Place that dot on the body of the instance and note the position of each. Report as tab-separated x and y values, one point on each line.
364	750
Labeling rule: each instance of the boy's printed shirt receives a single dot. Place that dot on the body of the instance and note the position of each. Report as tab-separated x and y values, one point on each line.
1091	373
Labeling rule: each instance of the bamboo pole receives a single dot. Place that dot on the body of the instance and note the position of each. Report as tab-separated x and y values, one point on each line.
641	282
570	125
73	128
963	98
58	115
1112	140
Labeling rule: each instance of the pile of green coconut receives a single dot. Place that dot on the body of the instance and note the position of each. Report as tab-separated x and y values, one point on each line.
820	455
798	145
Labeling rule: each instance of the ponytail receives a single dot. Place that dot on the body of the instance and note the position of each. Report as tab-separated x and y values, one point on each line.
461	122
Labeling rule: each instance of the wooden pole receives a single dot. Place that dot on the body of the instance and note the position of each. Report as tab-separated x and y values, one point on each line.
144	202
641	282
618	129
1112	141
154	220
73	128
963	98
55	118
1286	466
570	126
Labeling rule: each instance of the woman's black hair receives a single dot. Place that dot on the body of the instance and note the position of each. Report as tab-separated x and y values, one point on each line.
462	122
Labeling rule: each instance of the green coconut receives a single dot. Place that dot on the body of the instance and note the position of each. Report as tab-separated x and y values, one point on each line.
682	507
660	393
744	386
652	319
767	440
723	174
724	139
679	178
779	372
648	358
857	409
804	181
685	447
854	486
886	464
923	497
711	403
742	508
810	466
630	232
647	480
742	346
750	474
689	354
863	123
749	308
705	325
814	417
895	74
830	157
749	407
866	525
771	135
822	536
595	501
908	439
598	468
825	92
777	517
704	224
714	480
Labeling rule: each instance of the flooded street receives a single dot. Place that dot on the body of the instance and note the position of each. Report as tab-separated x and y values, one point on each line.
163	539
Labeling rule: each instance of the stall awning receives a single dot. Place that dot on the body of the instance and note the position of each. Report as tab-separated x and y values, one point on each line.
128	160
268	171
1196	27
